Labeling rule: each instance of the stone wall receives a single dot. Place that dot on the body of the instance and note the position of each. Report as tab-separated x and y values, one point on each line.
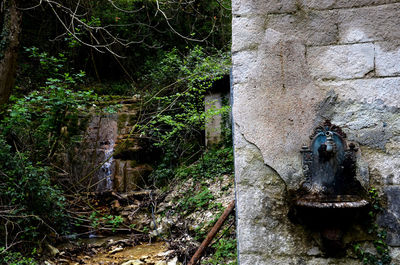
296	64
133	154
110	157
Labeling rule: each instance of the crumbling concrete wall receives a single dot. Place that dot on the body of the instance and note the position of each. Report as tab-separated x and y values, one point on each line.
295	64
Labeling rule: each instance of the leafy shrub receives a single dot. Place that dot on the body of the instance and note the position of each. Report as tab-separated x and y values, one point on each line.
31	207
225	251
114	221
214	162
33	129
177	127
38	122
120	88
15	258
197	201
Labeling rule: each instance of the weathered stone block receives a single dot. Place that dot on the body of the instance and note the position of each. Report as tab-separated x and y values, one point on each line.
387	58
261	7
278	242
311	27
247	32
331	4
245	63
256	205
214	124
119	175
341	61
369	24
385	90
333	261
395	254
390	218
136	176
383	165
257	258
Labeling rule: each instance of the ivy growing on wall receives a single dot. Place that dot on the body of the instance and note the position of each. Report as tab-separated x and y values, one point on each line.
382	255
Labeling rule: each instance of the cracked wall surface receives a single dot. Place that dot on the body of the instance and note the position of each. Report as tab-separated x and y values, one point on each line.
295	64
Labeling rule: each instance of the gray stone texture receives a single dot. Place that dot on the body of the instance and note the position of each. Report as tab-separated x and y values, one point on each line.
376	23
295	64
280	82
390	219
387	58
374	126
261	196
245	63
341	61
261	7
247	32
310	27
381	91
395	254
332	4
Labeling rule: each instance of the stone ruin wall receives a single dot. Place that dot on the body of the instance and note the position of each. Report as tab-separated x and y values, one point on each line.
295	64
131	163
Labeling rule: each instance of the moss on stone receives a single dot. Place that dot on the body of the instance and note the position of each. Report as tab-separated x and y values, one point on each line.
133	163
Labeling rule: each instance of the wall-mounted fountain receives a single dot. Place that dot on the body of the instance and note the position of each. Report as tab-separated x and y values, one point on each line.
330	198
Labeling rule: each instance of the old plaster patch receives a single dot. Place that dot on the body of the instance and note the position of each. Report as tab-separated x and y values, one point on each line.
276	109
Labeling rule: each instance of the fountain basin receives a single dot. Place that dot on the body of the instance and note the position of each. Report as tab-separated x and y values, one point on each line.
331	202
327	211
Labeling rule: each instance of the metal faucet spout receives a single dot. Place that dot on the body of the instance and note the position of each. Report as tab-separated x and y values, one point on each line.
330	144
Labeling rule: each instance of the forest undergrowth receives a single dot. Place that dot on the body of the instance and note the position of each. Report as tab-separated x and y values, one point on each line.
43	119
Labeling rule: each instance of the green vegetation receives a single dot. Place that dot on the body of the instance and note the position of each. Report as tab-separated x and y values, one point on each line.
195	198
33	129
31	206
15	258
169	54
211	166
115	221
225	252
178	125
381	257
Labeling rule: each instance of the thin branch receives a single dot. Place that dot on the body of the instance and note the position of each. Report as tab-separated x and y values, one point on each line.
219	2
176	32
32	7
123	10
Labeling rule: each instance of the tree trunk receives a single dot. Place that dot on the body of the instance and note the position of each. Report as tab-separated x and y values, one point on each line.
10	29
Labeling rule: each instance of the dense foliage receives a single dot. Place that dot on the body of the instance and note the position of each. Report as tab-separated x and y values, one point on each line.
31	132
169	52
31	207
137	30
177	128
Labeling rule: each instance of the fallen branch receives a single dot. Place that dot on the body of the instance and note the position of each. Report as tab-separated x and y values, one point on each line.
212	233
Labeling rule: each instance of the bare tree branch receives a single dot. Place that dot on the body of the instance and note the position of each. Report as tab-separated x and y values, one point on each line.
177	33
124	10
